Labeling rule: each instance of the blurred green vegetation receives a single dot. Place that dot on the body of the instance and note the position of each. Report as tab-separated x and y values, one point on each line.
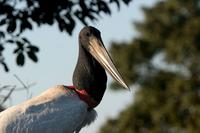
168	99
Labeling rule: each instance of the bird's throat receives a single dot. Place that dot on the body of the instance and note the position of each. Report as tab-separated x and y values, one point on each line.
89	75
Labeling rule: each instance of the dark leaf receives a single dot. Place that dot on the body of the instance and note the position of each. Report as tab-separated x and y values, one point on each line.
32	56
2	34
28	25
20	45
12	26
127	1
102	6
83	5
9	41
79	15
6	8
25	40
92	17
2	22
71	24
25	24
5	66
16	50
20	59
61	23
33	48
1	48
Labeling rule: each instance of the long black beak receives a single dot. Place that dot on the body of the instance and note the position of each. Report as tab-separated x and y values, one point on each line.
99	52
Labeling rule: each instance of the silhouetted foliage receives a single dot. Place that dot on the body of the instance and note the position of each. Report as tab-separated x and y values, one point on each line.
164	60
17	16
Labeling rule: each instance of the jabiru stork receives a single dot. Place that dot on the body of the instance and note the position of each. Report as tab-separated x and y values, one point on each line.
66	109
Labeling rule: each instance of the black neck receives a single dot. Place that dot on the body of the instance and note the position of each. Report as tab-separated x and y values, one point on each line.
89	75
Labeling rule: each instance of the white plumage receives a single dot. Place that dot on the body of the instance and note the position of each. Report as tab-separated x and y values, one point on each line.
54	111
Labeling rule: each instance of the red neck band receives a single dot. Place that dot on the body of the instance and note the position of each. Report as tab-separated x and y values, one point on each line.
83	95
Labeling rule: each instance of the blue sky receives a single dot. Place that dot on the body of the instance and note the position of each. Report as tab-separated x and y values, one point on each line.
58	55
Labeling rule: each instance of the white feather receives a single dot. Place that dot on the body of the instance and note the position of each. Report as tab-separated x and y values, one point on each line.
54	111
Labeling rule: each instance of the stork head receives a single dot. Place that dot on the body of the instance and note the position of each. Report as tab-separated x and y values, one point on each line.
92	62
94	45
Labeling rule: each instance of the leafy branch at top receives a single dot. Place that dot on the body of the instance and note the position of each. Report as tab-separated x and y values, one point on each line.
17	16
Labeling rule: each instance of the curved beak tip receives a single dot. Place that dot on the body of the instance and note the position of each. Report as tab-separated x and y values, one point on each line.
125	86
128	89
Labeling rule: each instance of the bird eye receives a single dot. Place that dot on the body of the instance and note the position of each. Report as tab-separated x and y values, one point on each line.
88	34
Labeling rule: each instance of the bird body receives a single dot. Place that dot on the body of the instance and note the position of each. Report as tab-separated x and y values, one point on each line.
65	109
58	109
